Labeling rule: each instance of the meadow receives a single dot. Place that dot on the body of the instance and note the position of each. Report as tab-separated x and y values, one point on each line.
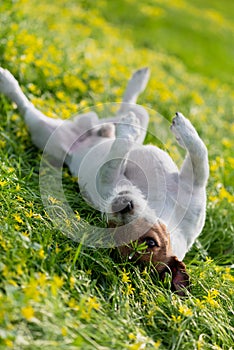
68	55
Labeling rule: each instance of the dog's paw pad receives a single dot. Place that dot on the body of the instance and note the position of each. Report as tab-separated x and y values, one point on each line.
179	120
130	118
182	129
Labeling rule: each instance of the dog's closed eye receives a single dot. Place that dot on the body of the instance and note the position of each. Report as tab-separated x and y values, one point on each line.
151	242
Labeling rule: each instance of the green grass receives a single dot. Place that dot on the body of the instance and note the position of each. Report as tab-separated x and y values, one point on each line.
67	55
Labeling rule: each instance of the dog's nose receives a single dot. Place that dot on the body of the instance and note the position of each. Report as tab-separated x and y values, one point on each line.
122	205
128	208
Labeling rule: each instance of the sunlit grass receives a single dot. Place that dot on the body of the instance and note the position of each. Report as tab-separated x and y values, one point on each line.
68	55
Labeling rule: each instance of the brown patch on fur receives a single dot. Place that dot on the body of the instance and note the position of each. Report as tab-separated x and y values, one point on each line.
160	255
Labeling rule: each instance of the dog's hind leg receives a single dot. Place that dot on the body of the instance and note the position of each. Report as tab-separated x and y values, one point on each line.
10	88
135	86
41	127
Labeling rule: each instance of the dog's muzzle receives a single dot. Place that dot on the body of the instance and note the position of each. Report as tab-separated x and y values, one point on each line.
122	205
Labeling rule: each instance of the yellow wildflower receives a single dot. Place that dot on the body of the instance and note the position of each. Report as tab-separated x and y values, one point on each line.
184	310
14	117
199	303
32	88
125	276
228	277
17	187
231	161
227	143
31	291
18	218
208	260
92	303
157	344
56	284
130	289
137	346
72	281
42	278
211	296
20	199
74	179
19	270
64	331
197	98
12	282
3	243
2	143
224	194
57	249
83	104
77	215
73	304
27	312
10	170
41	253
53	200
85	315
9	343
58	281
60	95
29	214
38	216
176	319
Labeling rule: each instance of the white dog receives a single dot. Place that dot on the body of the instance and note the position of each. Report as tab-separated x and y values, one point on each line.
138	187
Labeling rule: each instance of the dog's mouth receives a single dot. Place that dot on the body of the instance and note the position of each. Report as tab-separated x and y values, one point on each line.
180	281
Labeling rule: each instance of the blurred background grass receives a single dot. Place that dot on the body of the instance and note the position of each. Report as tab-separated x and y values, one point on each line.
198	33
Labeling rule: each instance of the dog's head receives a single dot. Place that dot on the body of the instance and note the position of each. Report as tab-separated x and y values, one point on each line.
152	246
144	238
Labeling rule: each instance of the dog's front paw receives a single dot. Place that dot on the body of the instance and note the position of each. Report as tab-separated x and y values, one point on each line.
129	127
183	130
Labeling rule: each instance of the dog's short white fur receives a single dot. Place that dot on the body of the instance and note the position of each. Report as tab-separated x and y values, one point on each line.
119	175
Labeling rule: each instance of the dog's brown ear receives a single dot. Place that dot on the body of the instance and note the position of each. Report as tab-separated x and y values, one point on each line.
180	278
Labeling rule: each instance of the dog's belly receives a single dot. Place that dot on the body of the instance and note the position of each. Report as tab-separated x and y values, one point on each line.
152	171
85	164
88	153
